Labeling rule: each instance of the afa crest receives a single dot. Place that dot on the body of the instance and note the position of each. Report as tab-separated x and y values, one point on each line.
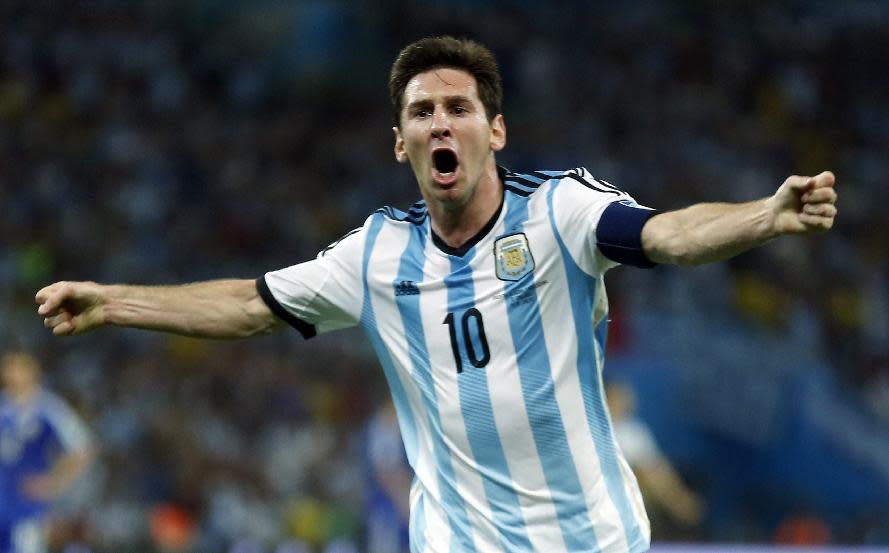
512	256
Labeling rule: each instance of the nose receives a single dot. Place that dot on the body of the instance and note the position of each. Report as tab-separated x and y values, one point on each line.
441	125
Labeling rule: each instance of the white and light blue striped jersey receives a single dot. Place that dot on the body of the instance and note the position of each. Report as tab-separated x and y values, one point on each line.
493	353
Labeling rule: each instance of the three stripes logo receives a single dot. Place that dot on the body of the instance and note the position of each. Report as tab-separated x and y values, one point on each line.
406	288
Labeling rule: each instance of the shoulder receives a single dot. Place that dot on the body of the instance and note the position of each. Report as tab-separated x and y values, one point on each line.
416	215
387	216
53	406
578	181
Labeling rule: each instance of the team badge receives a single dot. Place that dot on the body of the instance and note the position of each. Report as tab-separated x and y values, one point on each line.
513	257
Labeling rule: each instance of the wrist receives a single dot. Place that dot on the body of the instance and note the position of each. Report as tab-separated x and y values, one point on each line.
769	218
109	302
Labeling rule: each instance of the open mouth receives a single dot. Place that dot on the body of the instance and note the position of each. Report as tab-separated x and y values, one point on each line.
445	162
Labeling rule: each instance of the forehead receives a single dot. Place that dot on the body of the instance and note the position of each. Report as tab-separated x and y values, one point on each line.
440	83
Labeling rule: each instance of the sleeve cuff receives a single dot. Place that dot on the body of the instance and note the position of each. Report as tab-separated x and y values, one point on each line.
307	330
619	233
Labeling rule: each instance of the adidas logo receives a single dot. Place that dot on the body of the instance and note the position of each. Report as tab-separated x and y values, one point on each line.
406	288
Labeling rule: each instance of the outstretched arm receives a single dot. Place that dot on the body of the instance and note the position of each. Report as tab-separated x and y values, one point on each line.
709	232
213	309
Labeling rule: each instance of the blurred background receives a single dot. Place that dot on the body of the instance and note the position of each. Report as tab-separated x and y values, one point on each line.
163	142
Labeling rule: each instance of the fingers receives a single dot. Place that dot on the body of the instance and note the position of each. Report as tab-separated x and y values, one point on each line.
51	297
818	209
820	195
821	209
816	222
58	307
824	179
62	324
801	184
64	329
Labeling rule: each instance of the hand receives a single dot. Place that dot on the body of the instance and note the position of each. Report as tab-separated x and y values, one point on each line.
39	487
687	508
71	308
805	204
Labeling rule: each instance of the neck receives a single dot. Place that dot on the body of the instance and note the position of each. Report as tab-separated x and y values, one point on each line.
455	223
23	395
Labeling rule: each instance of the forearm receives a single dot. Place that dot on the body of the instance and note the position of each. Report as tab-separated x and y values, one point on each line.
68	468
708	232
213	309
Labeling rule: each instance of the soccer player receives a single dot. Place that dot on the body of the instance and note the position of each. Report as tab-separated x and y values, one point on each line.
44	448
486	306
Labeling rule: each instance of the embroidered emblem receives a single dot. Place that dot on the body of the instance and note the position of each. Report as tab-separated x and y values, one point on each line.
513	257
406	288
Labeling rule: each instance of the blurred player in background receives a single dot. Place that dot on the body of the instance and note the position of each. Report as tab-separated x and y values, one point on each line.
662	487
485	304
389	483
44	448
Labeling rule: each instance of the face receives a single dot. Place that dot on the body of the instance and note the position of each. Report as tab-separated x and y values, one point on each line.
20	372
446	136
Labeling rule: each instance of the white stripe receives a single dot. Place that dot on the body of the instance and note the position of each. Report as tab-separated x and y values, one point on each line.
513	425
433	305
563	354
391	241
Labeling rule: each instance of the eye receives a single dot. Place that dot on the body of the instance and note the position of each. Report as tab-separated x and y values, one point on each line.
422	113
459	110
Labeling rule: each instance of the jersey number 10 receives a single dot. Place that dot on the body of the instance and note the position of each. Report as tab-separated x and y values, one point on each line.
469	339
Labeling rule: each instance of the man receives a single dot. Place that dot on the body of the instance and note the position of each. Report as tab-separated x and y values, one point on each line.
44	448
486	307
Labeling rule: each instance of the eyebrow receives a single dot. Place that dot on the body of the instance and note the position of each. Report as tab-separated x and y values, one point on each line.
448	100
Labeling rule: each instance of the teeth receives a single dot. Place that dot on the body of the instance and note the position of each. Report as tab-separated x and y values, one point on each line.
446	175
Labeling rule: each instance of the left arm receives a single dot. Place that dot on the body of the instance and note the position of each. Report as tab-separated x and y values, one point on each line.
66	469
709	232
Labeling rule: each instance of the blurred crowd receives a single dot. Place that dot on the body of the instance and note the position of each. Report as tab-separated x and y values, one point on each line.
164	142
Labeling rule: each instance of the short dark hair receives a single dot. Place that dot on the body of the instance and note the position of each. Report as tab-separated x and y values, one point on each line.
446	51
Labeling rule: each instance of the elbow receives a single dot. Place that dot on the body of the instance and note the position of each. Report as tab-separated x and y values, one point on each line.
664	241
672	249
258	319
682	256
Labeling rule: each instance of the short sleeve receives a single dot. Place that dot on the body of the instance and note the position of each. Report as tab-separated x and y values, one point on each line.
599	224
637	443
320	295
69	429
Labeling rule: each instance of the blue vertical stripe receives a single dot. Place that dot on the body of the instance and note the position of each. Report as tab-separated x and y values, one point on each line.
411	269
538	390
368	320
478	412
582	291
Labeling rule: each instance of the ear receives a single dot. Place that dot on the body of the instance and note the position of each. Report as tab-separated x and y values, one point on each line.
400	153
498	133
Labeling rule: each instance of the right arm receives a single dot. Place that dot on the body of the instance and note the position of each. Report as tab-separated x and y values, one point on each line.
212	309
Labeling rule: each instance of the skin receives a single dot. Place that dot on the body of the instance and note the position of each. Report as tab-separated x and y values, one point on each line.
21	376
704	233
442	110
